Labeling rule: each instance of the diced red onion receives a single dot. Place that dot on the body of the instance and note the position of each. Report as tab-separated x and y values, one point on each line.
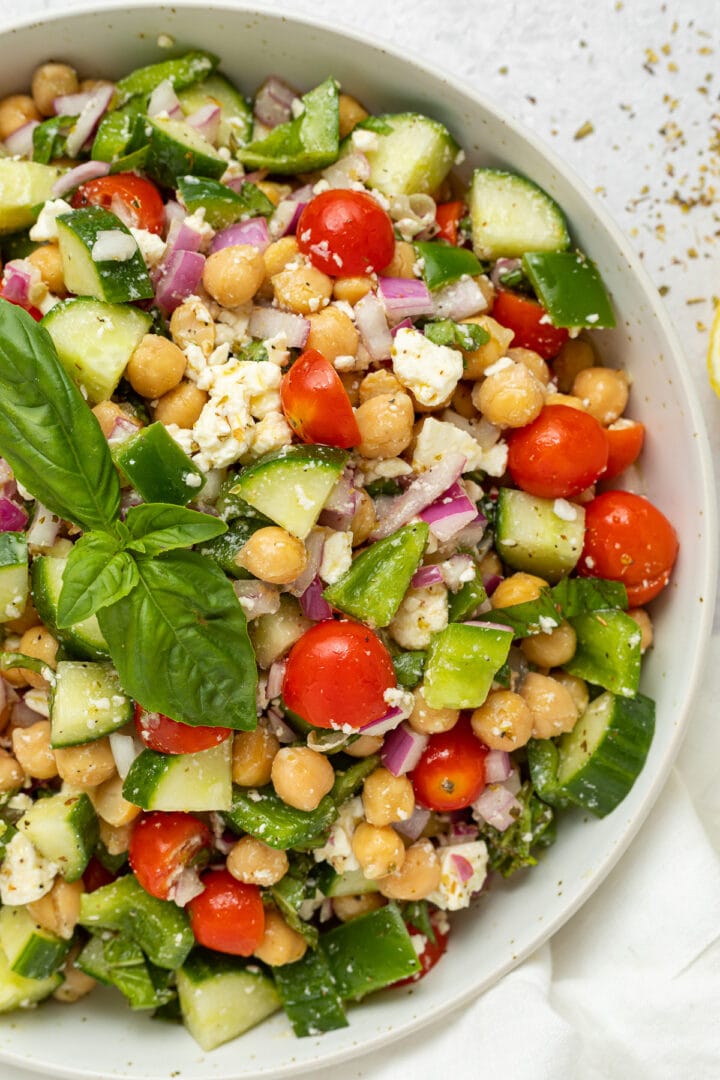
279	726
497	766
314	605
182	237
124	751
513	782
405	324
388	722
284	218
178	278
461	832
372	325
302	194
450	513
123	427
269	322
314	545
71	104
404	297
351	169
22	715
256	598
341	503
490	625
463	867
254	232
459	300
206	121
174	212
128	498
472	533
20	142
421	493
89	118
273	102
186	886
491	582
497	806
89	170
426	575
13	518
413	827
164	100
502	267
44	527
276	674
402	749
16	283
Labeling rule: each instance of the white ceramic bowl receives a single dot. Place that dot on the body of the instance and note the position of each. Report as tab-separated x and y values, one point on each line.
99	1037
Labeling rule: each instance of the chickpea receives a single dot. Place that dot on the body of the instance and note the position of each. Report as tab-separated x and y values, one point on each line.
92	84
59	910
48	261
568	400
279	254
351	289
256	863
503	722
39	643
577	688
303	290
234	274
490	566
402	262
553	649
387	798
50	81
517	589
16	111
191	324
156	366
351	113
351	907
364	746
462	401
182	405
301	776
427	721
253	755
477	360
603	391
551	704
417	877
115	838
386	425
87	765
32	747
332	333
510	398
274	192
364	519
107	413
76	983
641	617
12	774
280	943
533	362
378	849
574	356
382	381
110	805
273	555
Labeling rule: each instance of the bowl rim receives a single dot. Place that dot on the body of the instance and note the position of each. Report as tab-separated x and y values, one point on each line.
695	418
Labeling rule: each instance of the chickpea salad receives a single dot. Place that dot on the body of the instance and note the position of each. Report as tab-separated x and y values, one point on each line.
319	603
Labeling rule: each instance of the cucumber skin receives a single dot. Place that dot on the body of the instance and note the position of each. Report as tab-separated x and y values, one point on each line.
169	157
220	998
116	282
80	822
17	992
410	176
17	210
107	685
144	782
548	235
73	638
42	953
532	538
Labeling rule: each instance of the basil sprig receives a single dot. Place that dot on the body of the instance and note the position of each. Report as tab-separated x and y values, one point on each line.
174	627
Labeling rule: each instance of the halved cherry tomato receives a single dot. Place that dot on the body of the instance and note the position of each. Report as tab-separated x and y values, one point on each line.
37	315
316	404
432	952
337	674
346	233
162	845
530	323
95	875
167	736
447	216
227	916
561	453
451	772
625	441
628	539
140	199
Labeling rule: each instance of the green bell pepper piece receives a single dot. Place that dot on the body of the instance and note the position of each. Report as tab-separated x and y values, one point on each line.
608	651
349	782
157	467
297	885
570	288
221	204
309	995
409	668
264	815
223	549
462	662
373	588
466	600
49	138
455	335
445	263
116	130
181	71
370	952
308	142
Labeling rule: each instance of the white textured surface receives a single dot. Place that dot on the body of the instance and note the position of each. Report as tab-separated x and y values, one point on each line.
618	993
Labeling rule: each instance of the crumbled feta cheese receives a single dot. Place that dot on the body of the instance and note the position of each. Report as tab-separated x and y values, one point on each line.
113	245
397	698
38	699
364	140
197	222
337	557
383	469
502	364
337	849
564	510
152	247
439	437
297	107
453	893
422	613
45	228
270	433
232	323
431	371
25	876
344	363
547	624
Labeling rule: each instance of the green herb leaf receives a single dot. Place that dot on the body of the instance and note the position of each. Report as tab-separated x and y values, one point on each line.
97	574
513	849
417	914
157	527
184	610
48	434
467	336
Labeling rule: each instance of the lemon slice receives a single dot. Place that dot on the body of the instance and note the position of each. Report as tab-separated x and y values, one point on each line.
713	355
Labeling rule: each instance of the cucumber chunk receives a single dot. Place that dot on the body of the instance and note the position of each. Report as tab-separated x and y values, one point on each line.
274	635
221	997
349	883
531	536
24	185
64	829
83	639
14	581
95	340
181	71
236	118
462	662
191	782
608	651
177	149
511	215
87	702
158	469
413	154
105	279
31	950
17	992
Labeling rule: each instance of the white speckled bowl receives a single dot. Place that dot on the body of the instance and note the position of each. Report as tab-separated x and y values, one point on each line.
99	1037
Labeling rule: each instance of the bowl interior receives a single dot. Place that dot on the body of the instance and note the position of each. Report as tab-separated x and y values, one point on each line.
98	1037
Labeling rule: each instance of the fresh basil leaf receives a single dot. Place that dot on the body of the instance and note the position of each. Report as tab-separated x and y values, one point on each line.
577	596
180	644
157	527
97	574
48	434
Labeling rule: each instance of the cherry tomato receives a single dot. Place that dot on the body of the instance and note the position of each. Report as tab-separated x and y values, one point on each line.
227	916
432	952
141	200
167	736
451	772
561	453
627	539
346	233
625	441
447	216
337	674
95	875
37	315
162	845
316	404
530	323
